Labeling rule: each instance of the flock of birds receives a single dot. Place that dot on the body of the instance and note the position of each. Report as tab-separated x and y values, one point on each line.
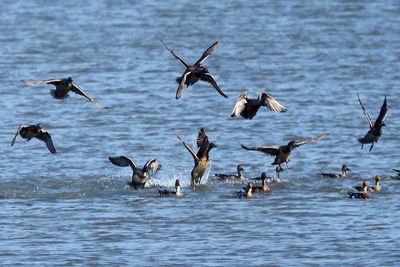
245	107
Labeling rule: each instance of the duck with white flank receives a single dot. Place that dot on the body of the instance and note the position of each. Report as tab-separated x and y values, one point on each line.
35	131
363	195
168	193
247	193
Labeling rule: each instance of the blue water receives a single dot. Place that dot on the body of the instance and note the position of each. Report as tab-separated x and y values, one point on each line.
74	207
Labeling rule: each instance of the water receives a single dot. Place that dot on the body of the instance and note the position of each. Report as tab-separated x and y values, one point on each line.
75	208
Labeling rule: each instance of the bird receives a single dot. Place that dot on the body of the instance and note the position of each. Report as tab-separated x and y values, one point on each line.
201	159
363	195
63	86
260	189
337	175
247	193
377	187
282	153
30	131
277	179
398	174
196	72
232	176
248	108
165	193
375	129
139	176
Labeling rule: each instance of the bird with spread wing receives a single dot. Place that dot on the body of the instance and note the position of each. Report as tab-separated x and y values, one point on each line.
35	131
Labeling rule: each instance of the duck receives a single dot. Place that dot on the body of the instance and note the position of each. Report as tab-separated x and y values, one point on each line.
247	193
63	86
35	131
202	158
337	175
140	175
377	187
232	176
282	153
196	72
363	195
277	179
375	129
247	108
165	193
260	189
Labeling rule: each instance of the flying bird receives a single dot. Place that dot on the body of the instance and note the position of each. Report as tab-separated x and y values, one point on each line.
35	131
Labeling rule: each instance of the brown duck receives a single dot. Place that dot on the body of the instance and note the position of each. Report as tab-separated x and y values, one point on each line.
35	131
363	195
232	176
375	129
201	159
260	189
63	86
167	193
282	153
196	72
247	193
248	108
377	187
337	175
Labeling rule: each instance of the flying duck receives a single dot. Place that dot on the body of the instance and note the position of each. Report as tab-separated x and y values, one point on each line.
282	153
63	86
375	129
377	187
337	175
248	108
363	195
232	176
31	131
247	193
260	189
139	176
196	72
201	159
167	193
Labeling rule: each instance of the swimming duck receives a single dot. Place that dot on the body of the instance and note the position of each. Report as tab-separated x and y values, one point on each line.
363	195
139	176
196	72
377	187
282	153
30	131
248	108
260	189
201	159
165	193
232	176
63	86
375	129
247	193
337	175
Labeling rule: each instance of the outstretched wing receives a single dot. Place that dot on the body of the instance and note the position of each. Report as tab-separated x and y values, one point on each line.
45	137
153	165
272	150
75	88
382	114
123	161
296	144
51	81
270	102
207	77
195	158
396	170
365	112
206	53
240	104
175	55
181	86
16	135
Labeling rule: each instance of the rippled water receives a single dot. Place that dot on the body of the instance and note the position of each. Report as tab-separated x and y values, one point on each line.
313	56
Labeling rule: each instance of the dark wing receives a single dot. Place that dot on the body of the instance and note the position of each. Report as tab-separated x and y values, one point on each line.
207	53
16	135
272	150
187	147
396	170
207	77
382	114
153	165
45	137
365	112
123	161
51	81
202	138
75	88
296	144
240	104
271	103
181	86
175	55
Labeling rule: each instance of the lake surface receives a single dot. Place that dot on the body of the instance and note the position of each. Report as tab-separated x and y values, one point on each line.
74	207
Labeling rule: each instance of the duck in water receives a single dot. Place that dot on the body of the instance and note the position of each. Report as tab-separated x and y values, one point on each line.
363	195
377	187
247	193
167	193
239	175
337	175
